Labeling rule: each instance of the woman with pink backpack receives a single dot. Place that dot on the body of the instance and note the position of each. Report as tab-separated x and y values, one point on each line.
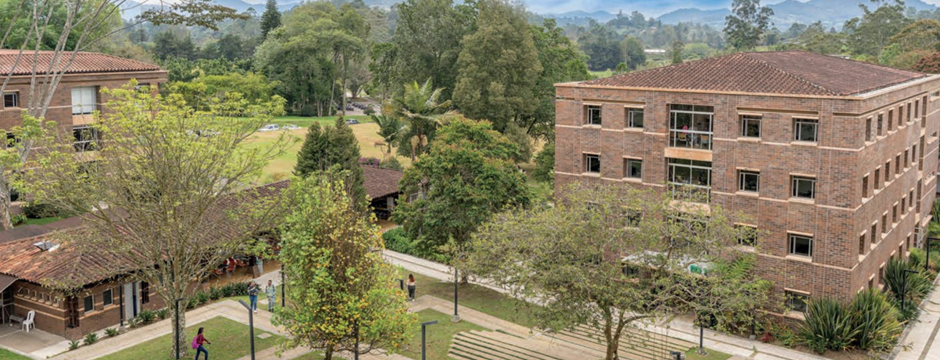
198	341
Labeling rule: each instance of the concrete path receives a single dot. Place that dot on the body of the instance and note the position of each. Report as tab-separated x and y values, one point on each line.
920	340
680	329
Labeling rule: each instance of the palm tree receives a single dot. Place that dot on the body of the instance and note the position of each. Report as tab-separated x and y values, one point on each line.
419	107
389	129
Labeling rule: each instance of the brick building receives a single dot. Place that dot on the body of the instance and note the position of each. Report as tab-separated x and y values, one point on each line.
834	159
77	95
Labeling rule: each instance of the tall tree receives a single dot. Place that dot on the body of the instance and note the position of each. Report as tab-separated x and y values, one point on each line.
156	195
747	23
676	52
327	147
390	129
419	106
498	66
469	170
338	291
270	19
602	45
872	32
611	257
634	53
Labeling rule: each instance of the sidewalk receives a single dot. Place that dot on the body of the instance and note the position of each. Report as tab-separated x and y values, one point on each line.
677	328
920	340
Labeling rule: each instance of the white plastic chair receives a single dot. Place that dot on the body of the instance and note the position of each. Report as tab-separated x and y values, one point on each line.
29	320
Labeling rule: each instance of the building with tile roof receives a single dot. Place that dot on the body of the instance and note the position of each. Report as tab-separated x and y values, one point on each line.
835	160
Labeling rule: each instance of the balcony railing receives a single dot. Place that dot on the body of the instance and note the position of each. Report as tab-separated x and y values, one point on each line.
690	193
691	139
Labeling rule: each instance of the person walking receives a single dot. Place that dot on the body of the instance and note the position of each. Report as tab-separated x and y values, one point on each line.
253	295
271	291
198	343
411	287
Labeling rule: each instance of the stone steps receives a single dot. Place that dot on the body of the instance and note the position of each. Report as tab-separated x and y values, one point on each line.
488	345
634	343
635	337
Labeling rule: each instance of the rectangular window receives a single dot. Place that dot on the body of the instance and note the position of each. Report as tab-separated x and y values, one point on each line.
107	297
877	179
592	163
748	181
691	126
904	205
868	129
635	118
634	169
881	124
911	196
909	119
891	118
894	214
632	218
84	100
144	292
803	187
900	113
801	245
796	301
923	119
750	126
689	179
907	164
593	115
11	100
805	130
747	235
887	172
86	138
884	223
874	230
914	154
897	165
861	245
916	108
89	303
865	187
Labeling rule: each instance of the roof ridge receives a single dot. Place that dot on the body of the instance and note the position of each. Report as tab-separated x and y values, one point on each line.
787	73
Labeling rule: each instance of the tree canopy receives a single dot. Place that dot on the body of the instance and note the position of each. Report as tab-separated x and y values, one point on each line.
326	147
747	23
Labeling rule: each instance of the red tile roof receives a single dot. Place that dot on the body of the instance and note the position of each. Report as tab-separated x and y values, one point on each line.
380	182
84	62
785	72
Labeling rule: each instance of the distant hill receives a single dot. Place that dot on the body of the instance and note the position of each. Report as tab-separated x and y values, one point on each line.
832	13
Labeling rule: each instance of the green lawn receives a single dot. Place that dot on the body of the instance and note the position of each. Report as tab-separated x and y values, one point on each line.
229	341
7	355
477	298
261	296
40	221
712	355
439	336
304	121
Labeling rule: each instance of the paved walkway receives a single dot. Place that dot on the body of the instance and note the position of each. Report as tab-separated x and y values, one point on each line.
920	340
680	329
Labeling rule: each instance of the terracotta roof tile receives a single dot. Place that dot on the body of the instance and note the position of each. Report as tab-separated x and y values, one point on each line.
785	72
84	62
380	182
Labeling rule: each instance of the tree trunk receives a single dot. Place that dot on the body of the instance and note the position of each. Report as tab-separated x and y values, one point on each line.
328	353
5	207
180	336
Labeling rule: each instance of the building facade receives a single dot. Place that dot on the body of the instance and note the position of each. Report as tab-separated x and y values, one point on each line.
834	161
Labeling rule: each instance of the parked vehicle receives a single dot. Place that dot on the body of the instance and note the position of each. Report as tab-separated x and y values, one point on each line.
290	127
352	122
270	127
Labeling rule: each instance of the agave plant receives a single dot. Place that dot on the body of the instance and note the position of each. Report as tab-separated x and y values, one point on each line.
828	325
876	321
917	284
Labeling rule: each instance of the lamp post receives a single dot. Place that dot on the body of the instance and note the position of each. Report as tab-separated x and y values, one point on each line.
176	325
401	284
927	246
356	351
283	285
455	318
904	287
423	338
251	326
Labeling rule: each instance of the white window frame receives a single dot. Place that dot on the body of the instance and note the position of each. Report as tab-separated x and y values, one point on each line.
803	298
587	163
794	180
84	303
791	245
16	100
692	133
676	183
798	129
82	145
590	120
745	119
742	174
627	168
631	113
84	100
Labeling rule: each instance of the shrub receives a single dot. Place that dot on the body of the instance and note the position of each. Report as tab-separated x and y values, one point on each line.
162	313
18	219
828	325
74	345
215	293
369	111
369	161
201	298
876	321
133	322
146	316
396	240
910	311
544	170
392	163
111	332
37	210
918	285
91	338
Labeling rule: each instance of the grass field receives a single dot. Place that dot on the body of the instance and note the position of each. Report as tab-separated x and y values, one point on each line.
7	355
439	336
712	355
229	342
304	121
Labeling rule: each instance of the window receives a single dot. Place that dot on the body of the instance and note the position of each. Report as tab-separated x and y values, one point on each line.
796	301
801	245
881	125
805	130
916	108
861	245
884	223
750	126
874	230
89	303
868	129
914	154
83	100
911	196
748	181
635	118
909	119
593	115
891	119
592	163
803	187
631	271
747	235
691	126
877	179
108	297
887	172
900	113
632	218
894	214
865	187
11	100
907	163
904	205
634	169
897	165
86	138
144	292
690	179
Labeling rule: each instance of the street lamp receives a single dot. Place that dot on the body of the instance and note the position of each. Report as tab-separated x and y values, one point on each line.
251	326
927	260
283	285
356	352
423	338
456	317
177	327
904	287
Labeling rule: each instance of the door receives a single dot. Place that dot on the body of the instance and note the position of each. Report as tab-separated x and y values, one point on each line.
131	300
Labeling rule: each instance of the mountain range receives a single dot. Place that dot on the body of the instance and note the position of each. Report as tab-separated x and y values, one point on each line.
832	13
